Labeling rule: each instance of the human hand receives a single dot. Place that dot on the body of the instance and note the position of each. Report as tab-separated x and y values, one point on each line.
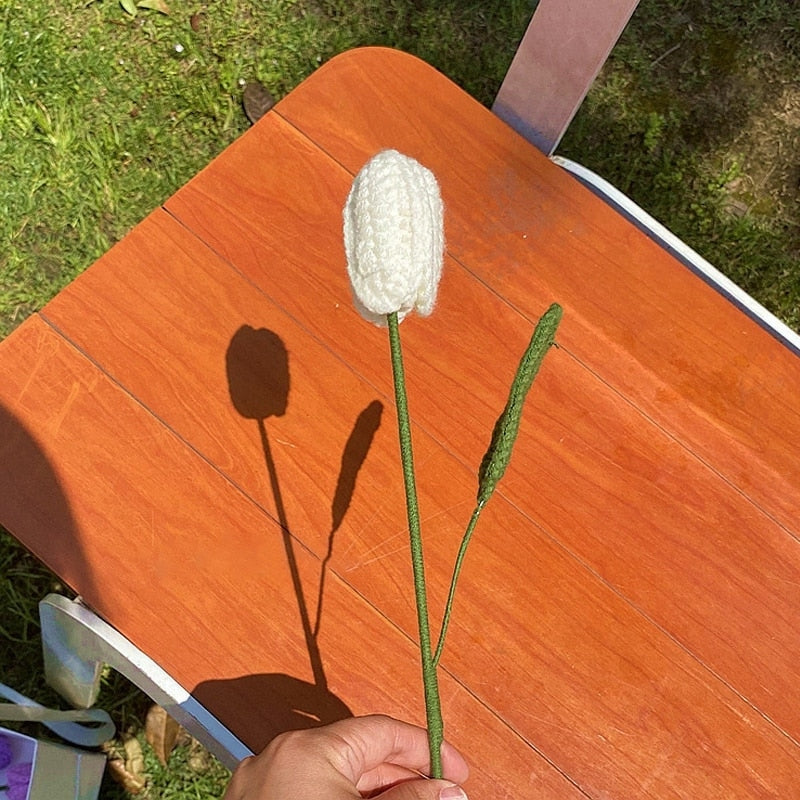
373	756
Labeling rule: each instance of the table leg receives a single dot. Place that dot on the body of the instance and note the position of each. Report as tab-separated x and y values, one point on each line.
77	643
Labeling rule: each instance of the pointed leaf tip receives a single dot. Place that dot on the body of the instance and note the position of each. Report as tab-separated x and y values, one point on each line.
498	455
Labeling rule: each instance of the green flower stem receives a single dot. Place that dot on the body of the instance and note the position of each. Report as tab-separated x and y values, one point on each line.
498	455
462	551
433	710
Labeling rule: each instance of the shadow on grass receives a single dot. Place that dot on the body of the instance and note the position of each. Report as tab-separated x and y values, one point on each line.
686	119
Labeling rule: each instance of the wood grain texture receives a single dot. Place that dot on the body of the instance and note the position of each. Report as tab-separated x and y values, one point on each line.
175	530
667	341
219	612
581	640
204	411
643	509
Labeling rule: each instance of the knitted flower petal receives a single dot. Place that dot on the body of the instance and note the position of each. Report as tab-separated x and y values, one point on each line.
394	237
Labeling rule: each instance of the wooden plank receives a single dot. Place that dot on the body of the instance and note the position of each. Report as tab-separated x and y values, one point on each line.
371	560
604	693
651	518
154	549
596	687
659	335
562	52
187	342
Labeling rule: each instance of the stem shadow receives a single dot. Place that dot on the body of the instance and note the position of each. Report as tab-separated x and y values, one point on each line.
259	383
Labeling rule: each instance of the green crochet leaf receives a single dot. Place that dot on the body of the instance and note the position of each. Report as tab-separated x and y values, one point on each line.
506	428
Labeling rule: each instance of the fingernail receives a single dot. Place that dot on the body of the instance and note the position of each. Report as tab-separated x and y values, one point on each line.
452	793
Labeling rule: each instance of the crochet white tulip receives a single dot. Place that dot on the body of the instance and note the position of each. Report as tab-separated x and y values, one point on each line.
394	242
394	237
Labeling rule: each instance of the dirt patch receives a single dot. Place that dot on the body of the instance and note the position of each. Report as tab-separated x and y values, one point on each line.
767	149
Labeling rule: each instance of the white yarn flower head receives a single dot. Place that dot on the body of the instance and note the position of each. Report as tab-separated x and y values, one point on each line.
394	237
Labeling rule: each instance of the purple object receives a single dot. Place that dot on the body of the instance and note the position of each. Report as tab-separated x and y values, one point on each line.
18	777
17	791
19	774
5	751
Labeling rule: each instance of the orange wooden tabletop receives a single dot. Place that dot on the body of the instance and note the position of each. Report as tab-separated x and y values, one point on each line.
198	436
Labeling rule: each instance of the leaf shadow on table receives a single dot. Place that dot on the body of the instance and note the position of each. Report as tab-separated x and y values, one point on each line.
259	383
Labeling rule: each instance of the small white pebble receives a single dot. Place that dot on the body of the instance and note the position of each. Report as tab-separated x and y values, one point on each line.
179	48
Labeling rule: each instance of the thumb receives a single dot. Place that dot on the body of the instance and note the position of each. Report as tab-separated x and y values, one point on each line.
424	790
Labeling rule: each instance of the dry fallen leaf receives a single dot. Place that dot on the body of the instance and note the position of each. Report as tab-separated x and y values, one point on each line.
256	100
154	5
161	732
127	768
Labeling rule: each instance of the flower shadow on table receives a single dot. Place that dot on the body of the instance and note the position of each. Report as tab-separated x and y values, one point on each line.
257	367
259	707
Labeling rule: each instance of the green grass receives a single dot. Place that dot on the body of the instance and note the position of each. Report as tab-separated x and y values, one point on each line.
102	116
697	117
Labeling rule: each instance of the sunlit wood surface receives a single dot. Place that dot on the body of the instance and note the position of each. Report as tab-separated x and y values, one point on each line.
199	437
